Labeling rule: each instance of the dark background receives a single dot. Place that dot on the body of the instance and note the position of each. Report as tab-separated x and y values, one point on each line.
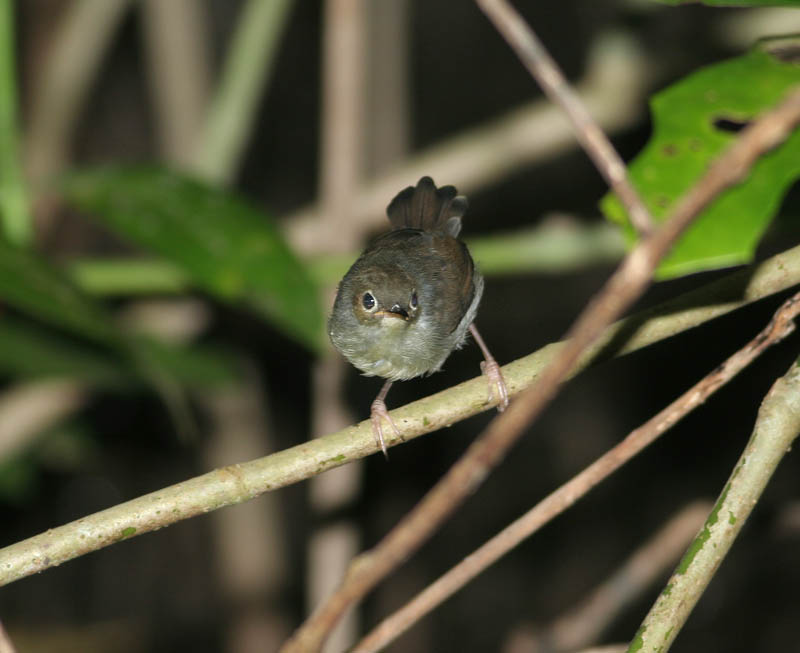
160	592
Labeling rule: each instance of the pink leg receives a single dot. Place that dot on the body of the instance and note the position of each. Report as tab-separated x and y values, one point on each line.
379	411
497	385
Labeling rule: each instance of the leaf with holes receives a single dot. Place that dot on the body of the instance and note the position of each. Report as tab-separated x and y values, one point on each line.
225	245
695	120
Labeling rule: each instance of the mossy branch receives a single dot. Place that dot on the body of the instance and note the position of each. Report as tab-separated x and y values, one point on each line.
777	425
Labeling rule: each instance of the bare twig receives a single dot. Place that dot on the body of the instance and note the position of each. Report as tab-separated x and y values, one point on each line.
238	483
776	428
626	284
565	496
541	65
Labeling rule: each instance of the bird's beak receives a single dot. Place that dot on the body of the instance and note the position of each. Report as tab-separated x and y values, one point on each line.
396	311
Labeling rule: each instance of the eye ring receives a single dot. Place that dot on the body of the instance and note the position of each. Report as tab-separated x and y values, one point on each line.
414	301
368	302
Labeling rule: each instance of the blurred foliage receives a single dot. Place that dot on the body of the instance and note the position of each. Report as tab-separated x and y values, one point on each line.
695	120
223	244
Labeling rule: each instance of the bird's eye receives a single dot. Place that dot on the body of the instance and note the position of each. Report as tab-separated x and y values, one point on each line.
413	302
368	301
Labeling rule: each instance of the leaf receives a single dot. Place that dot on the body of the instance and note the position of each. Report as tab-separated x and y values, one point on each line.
30	351
228	247
31	285
695	120
735	3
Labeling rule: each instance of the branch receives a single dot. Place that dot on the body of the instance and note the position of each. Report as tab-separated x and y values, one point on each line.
777	425
540	64
238	483
576	488
627	283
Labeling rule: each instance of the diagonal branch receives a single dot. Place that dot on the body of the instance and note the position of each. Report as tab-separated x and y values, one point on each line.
776	427
627	283
565	496
540	64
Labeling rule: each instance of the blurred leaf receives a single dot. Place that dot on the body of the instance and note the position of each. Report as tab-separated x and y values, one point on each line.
226	246
31	285
193	367
735	3
19	477
694	121
29	351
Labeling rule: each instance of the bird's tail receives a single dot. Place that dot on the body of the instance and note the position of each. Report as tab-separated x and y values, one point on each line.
427	207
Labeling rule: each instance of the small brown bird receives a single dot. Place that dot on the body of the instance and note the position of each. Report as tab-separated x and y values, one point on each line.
409	299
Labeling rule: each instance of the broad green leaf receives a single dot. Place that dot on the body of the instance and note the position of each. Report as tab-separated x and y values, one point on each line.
695	120
225	245
735	3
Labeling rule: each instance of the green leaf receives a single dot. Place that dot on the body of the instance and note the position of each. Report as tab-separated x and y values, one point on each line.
735	3
225	245
31	285
32	352
695	120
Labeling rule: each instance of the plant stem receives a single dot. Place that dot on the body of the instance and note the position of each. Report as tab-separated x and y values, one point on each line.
14	210
246	72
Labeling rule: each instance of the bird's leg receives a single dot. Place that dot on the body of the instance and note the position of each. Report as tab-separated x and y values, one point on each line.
379	411
497	384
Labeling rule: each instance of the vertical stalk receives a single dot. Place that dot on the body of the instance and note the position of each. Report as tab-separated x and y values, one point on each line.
14	211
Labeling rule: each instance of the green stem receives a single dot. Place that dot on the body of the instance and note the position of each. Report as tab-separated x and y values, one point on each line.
777	425
14	212
246	72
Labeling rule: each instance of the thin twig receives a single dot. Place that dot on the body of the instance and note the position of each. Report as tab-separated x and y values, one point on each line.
565	496
238	483
776	428
626	284
540	64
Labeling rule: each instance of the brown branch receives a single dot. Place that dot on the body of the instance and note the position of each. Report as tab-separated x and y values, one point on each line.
565	496
626	284
554	504
540	64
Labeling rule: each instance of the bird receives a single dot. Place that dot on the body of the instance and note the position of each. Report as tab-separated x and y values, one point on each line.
411	298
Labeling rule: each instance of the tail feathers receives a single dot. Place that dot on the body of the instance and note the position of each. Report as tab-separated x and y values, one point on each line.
427	207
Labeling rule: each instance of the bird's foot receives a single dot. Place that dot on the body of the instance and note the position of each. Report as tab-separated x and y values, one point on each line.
379	412
498	391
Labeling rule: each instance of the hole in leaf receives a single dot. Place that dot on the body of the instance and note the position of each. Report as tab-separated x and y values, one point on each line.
730	124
